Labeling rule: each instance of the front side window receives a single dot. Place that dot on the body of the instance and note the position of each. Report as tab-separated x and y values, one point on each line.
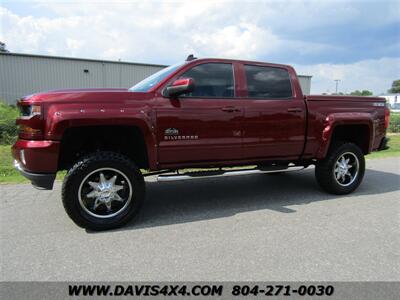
268	82
214	80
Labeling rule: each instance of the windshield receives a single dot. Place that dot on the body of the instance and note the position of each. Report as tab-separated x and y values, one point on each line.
146	84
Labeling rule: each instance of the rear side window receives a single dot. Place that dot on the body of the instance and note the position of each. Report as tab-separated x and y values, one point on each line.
212	80
268	82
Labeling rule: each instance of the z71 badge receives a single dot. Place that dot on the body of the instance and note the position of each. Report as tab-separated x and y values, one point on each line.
171	131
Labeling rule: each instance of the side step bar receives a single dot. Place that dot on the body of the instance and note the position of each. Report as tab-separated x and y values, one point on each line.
221	173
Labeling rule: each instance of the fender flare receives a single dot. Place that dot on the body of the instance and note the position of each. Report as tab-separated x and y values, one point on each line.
60	120
339	119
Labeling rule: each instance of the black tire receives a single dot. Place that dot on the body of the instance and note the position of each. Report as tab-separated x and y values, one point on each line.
326	170
131	186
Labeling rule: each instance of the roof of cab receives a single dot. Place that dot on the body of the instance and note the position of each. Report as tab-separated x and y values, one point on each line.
211	59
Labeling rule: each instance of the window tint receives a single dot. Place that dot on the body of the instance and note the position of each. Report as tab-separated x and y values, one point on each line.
268	82
211	80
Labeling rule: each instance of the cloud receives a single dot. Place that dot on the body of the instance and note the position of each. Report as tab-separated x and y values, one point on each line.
376	75
244	40
316	35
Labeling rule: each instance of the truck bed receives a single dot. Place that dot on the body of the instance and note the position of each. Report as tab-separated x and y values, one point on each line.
322	110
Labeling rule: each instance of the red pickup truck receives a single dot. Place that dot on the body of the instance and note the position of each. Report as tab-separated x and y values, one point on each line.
202	113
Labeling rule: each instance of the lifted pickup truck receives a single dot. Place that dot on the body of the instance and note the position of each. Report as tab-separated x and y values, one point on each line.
202	113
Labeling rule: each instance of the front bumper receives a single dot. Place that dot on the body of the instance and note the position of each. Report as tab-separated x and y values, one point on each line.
37	161
41	181
37	156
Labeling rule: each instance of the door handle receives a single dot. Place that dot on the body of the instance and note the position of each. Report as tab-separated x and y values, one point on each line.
294	109
230	109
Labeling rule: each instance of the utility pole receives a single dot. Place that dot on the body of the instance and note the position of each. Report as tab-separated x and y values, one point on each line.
337	84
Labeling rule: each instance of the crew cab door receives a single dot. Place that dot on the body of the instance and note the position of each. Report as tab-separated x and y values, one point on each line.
204	125
274	118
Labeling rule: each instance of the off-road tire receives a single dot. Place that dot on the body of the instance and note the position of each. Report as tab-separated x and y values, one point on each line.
324	170
85	166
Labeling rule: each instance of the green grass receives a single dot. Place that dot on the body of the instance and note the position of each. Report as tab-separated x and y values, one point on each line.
7	172
9	175
8	129
394	148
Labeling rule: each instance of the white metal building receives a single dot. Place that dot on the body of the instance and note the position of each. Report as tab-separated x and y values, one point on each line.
393	100
25	74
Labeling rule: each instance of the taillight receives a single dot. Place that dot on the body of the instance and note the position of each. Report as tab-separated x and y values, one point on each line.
387	117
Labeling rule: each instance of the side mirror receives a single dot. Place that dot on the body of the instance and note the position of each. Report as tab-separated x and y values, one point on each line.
179	87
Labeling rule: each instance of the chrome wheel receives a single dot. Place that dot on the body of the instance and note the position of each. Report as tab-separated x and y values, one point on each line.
105	193
346	169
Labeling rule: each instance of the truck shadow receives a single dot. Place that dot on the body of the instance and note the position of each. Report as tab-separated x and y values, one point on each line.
204	199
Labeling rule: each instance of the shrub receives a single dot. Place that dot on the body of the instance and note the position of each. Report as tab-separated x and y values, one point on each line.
394	124
8	129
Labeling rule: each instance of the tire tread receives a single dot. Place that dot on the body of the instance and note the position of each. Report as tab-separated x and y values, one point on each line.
79	169
323	170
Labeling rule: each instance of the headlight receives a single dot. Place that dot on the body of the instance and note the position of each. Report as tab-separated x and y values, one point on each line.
30	123
30	110
36	110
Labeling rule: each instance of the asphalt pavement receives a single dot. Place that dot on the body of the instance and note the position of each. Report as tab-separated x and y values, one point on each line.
255	227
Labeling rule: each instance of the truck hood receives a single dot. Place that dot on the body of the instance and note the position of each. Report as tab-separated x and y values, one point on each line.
86	95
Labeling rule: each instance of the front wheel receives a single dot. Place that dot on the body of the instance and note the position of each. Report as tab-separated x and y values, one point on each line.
342	171
104	190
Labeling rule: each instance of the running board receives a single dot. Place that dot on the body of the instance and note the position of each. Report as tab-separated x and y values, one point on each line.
221	173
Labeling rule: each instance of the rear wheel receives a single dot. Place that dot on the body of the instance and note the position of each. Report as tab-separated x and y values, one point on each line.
342	171
103	190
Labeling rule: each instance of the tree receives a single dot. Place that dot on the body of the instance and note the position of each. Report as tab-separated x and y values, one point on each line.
395	86
3	47
361	93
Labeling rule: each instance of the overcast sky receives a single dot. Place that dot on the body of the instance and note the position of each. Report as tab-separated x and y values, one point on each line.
357	42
